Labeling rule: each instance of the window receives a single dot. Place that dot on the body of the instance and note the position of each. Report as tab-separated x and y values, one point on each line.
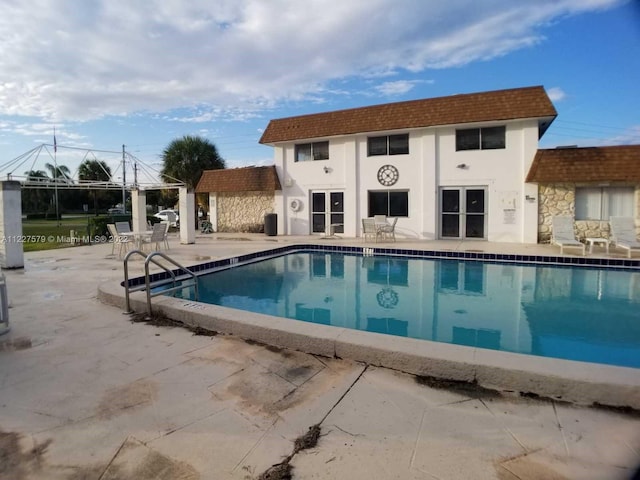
487	138
388	145
312	151
600	203
391	203
461	278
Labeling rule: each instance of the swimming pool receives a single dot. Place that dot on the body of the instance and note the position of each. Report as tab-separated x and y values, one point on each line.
581	313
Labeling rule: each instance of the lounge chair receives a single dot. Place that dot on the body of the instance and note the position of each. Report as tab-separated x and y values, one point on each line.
623	234
369	229
563	234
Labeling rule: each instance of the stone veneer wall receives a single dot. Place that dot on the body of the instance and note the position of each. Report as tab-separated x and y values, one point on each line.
243	211
560	199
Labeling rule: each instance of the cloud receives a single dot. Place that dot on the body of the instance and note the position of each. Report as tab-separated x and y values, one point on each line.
556	94
398	87
229	59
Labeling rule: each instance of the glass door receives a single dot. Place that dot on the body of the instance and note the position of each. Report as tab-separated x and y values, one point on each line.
462	212
327	212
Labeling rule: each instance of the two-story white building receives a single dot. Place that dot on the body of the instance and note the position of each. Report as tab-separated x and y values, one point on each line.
450	167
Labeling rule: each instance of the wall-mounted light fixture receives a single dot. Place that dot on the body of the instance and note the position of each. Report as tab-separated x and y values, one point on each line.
326	169
462	166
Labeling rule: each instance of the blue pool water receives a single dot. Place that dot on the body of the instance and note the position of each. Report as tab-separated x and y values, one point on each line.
584	314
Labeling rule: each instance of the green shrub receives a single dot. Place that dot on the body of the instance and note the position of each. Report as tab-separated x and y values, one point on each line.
99	225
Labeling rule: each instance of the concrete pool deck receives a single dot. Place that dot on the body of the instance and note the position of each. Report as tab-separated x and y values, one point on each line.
85	393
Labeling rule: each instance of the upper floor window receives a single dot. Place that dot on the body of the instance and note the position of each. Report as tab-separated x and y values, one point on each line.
601	203
487	138
388	145
312	151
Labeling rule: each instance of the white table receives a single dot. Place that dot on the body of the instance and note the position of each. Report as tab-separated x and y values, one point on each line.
137	237
591	241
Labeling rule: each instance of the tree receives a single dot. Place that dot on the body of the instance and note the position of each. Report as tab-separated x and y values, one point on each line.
186	158
97	171
36	200
61	173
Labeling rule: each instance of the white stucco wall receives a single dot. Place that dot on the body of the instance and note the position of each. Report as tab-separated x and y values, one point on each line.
430	165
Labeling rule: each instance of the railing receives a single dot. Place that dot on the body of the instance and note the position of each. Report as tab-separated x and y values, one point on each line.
147	281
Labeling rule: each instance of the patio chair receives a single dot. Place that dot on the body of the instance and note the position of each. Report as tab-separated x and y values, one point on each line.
123	227
369	229
158	236
206	227
172	219
623	234
380	220
388	230
563	234
116	238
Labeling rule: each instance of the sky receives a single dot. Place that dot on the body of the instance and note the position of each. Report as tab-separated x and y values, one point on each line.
106	73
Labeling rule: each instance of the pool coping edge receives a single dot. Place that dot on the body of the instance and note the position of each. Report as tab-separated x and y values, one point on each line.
563	380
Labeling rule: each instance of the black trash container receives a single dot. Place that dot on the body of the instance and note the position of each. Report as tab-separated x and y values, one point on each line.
271	224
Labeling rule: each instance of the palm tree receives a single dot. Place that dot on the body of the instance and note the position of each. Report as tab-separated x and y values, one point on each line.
97	171
186	158
36	200
37	176
59	174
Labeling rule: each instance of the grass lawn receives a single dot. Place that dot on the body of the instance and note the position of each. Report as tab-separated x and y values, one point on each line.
47	234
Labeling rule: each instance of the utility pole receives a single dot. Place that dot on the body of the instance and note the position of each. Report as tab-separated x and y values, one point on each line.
124	182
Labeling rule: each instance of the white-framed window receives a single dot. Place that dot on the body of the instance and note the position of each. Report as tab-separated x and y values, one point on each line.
312	151
601	203
388	145
486	138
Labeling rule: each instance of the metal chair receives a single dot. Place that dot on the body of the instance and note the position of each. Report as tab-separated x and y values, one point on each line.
369	229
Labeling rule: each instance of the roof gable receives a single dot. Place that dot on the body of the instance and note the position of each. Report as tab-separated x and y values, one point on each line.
246	179
529	102
585	165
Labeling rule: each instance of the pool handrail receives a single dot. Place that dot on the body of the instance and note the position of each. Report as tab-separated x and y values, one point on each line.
147	282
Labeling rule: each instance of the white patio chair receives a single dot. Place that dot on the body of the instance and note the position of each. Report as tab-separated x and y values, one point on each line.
116	239
564	235
158	236
623	234
369	229
123	227
388	230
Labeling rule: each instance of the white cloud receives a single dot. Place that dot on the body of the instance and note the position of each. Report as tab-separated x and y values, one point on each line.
63	60
556	94
398	87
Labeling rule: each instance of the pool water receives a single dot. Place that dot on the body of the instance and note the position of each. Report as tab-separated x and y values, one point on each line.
578	313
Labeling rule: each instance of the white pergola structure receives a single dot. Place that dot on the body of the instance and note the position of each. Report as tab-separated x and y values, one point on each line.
12	254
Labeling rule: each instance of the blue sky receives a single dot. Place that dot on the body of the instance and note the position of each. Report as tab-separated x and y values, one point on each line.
105	73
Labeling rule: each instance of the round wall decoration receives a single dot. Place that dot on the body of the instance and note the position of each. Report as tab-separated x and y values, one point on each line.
388	175
296	205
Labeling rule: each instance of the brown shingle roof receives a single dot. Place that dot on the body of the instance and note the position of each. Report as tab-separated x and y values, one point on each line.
592	164
529	102
246	179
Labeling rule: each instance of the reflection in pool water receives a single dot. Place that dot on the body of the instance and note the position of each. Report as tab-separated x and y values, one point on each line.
582	314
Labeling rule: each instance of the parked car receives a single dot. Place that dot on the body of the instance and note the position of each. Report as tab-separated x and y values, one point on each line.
170	216
116	211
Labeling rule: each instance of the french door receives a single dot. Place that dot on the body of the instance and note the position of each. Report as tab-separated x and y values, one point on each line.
327	209
463	212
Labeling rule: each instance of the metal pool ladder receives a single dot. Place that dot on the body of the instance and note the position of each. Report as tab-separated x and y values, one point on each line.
188	274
